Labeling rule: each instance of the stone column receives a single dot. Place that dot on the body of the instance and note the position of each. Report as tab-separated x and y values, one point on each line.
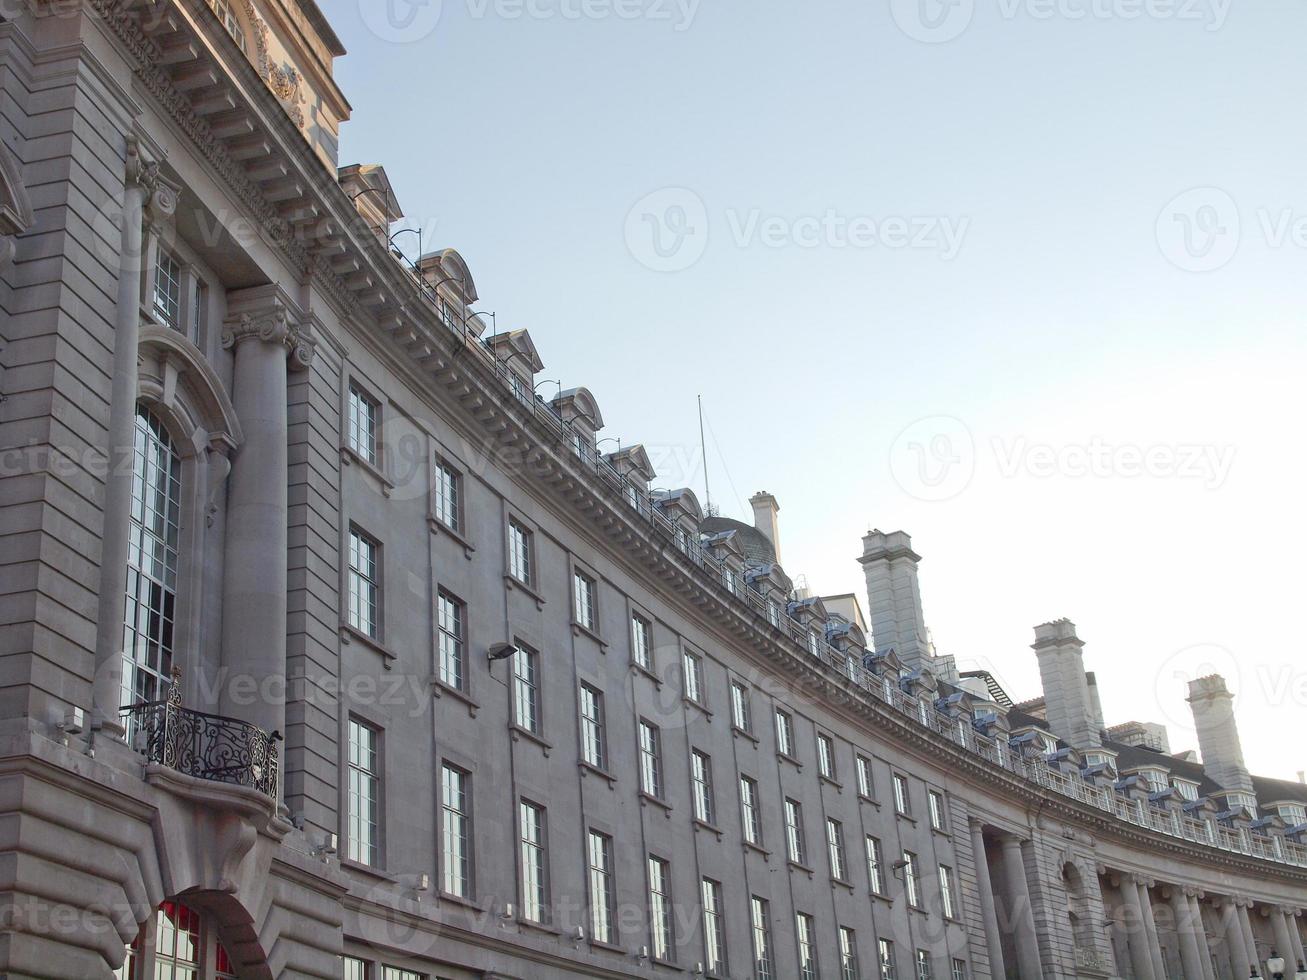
1190	956
1284	944
1026	940
1200	929
1235	940
1150	930
1136	935
1246	929
1300	948
142	184
253	684
988	914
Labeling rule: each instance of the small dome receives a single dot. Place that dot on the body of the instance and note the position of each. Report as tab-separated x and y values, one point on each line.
753	542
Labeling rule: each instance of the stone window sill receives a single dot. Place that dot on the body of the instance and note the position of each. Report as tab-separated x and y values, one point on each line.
445	896
438	526
349	457
832	781
516	583
589	768
642	669
704	825
794	865
842	883
580	629
739	732
371	871
649	798
350	634
864	798
517	732
440	689
786	757
698	706
750	845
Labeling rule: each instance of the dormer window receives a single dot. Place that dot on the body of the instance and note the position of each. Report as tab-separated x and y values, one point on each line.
227	14
773	613
1187	790
812	642
1293	814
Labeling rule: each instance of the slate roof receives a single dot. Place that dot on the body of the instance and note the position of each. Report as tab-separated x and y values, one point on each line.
752	542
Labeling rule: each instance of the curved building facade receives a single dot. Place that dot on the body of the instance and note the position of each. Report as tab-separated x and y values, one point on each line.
333	649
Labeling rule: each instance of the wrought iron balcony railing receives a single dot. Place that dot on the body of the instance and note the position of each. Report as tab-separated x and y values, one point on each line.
202	745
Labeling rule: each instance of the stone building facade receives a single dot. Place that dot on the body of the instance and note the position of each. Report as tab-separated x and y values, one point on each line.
332	649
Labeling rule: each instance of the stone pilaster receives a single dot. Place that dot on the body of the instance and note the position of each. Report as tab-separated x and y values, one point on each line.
145	196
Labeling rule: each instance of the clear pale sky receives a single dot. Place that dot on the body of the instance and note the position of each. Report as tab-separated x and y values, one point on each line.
1073	371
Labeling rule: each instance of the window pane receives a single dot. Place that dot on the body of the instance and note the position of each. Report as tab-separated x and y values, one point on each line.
152	561
363	412
602	900
526	690
759	918
534	899
651	775
364	585
594	749
364	794
714	929
452	631
455	832
660	908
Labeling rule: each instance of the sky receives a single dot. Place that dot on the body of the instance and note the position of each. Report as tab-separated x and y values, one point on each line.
1022	278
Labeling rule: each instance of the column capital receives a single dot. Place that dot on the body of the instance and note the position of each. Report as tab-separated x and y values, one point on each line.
272	325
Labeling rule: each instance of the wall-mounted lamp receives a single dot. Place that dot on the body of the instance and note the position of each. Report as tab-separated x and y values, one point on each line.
501	651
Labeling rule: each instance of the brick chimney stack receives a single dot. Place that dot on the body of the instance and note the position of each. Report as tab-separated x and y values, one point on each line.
894	597
1068	701
1218	734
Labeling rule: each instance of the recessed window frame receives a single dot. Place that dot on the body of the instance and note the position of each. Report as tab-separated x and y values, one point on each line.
451	629
364	785
447	494
701	780
594	726
363	423
785	737
456	837
796	848
365	584
649	740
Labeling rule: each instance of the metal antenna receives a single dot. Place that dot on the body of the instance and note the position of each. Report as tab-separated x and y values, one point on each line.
703	448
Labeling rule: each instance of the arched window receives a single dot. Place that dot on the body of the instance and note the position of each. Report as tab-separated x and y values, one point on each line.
151	601
177	943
